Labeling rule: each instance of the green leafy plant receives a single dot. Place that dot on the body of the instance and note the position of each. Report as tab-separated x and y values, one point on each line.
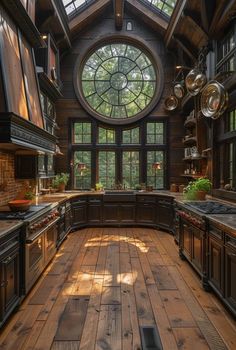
61	178
201	184
29	195
98	186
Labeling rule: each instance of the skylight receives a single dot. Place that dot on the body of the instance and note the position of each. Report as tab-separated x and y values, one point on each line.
165	7
72	6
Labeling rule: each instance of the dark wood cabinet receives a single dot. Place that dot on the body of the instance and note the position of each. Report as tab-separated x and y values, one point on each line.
31	166
186	240
230	272
10	290
146	209
79	212
216	265
198	242
165	214
95	210
127	213
110	213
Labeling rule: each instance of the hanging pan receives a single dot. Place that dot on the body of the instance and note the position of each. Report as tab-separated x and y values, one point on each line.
195	81
214	100
171	103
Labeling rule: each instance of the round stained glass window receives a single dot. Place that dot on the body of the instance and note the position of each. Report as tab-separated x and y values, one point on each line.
118	81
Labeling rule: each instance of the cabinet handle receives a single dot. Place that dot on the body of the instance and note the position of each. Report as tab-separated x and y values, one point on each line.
232	254
2	284
8	259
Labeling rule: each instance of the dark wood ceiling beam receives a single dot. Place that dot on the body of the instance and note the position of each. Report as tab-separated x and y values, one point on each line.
187	47
207	12
119	13
228	15
190	19
219	10
88	15
175	18
148	16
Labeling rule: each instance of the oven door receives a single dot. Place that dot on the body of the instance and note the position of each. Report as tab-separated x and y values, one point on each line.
34	260
50	237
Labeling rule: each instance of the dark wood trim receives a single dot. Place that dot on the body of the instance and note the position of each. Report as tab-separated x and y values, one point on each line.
18	131
220	11
207	12
119	13
185	44
84	18
174	20
48	87
24	22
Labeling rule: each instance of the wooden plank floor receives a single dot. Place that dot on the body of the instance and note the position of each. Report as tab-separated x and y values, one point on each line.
106	283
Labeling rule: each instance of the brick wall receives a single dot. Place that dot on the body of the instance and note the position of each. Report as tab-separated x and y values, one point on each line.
10	188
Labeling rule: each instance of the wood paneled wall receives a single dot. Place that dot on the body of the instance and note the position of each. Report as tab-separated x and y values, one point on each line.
69	106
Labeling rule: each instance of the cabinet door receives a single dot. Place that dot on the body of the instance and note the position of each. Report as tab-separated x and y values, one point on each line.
186	239
95	213
25	167
127	213
79	214
230	281
197	248
216	259
146	213
10	282
110	213
165	214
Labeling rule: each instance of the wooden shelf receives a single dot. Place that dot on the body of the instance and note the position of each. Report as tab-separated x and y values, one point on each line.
191	159
192	176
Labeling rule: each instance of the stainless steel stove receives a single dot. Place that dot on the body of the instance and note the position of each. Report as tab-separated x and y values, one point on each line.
212	207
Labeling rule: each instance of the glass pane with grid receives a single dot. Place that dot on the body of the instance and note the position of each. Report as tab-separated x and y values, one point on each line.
82	179
72	6
130	169
106	136
107	168
131	136
155	177
118	81
82	133
164	7
155	133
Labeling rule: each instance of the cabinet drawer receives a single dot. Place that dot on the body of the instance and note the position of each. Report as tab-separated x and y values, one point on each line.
230	241
215	232
79	201
146	199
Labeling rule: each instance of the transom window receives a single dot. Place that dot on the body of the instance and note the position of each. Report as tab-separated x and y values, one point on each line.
74	6
118	157
118	81
165	7
106	135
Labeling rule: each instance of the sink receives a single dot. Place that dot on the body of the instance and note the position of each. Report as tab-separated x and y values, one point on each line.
119	196
119	192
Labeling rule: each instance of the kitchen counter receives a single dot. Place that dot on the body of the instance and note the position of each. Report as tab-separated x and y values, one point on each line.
7	226
224	222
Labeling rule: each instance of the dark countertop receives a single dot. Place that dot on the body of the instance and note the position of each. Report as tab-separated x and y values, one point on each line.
225	222
7	226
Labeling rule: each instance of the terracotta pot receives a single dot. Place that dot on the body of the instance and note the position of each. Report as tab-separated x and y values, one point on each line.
201	195
61	187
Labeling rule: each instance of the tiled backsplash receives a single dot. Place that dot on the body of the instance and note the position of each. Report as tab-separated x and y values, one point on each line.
10	188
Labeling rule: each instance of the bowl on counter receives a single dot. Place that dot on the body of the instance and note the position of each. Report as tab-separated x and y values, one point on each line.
19	205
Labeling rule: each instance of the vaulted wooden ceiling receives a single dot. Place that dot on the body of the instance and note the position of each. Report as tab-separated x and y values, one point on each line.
191	26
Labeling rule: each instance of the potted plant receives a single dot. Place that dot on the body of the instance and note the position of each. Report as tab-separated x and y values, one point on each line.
202	187
197	190
60	181
98	186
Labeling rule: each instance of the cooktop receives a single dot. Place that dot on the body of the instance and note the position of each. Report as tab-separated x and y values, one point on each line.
212	207
22	215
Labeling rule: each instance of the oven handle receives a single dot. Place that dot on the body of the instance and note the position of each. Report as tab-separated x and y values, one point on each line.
32	238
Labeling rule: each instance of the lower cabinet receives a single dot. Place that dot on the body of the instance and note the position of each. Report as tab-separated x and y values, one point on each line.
165	214
146	209
230	272
79	212
127	213
10	286
94	210
119	213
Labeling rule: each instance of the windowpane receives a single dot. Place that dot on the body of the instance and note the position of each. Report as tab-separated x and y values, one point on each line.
130	169
155	133
118	81
155	177
131	136
82	133
106	168
106	135
82	179
165	7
